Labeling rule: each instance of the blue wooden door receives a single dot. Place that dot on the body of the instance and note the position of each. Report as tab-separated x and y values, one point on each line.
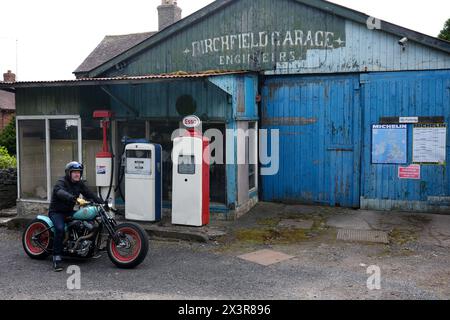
319	123
405	94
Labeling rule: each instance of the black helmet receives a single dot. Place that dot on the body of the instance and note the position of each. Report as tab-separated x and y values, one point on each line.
73	166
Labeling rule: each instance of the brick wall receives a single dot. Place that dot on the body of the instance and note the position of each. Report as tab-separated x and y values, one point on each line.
168	14
5	118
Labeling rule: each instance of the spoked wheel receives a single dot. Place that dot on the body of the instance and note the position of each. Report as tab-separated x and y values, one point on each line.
37	239
132	248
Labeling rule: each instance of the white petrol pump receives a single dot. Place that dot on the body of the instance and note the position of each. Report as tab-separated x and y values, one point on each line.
143	182
190	184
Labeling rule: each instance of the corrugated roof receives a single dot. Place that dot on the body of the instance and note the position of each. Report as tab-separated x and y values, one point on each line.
117	80
110	47
7	100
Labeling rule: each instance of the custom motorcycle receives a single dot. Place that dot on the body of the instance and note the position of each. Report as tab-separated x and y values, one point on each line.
90	230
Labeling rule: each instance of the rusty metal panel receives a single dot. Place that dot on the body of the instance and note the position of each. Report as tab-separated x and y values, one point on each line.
318	119
405	94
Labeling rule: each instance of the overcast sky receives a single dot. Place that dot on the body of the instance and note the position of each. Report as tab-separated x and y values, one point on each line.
53	37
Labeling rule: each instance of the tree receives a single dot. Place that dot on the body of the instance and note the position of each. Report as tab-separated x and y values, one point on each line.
445	33
8	137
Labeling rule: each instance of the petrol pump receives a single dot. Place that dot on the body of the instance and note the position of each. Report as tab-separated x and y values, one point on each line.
190	184
143	182
104	162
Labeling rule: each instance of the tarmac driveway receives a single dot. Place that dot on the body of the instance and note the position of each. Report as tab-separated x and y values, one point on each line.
413	265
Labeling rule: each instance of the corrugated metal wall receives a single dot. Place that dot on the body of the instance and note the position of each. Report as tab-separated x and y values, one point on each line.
425	93
325	128
158	100
280	37
319	123
60	101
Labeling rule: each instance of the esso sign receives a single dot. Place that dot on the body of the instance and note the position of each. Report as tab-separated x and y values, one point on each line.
191	122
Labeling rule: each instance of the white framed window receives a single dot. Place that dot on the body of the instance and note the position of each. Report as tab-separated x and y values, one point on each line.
45	144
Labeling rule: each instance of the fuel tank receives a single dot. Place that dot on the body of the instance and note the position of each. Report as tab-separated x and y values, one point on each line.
86	214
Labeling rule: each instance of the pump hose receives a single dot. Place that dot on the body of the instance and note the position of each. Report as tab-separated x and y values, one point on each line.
121	175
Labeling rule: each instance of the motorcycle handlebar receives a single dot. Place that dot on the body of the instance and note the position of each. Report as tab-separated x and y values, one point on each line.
92	203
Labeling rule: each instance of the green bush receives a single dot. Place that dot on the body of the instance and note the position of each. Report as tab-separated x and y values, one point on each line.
8	137
6	161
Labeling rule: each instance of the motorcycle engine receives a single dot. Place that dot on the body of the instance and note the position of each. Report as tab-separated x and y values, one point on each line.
84	248
81	229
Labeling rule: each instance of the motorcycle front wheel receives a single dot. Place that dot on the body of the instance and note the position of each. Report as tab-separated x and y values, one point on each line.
133	246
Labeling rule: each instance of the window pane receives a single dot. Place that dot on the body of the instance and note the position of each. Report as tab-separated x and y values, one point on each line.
160	133
133	129
33	172
63	146
217	173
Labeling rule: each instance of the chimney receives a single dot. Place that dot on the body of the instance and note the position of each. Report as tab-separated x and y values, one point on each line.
9	77
168	13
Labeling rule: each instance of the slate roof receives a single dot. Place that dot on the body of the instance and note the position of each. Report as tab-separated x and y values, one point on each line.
7	101
111	47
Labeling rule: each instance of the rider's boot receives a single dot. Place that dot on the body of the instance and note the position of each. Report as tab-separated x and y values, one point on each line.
57	263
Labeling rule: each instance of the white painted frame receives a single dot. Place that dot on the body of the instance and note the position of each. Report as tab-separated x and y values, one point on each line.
47	149
256	154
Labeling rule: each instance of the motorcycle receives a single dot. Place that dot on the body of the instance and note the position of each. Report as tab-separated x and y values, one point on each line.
85	234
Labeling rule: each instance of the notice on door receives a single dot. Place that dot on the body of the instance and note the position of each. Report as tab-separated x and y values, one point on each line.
389	144
411	172
429	143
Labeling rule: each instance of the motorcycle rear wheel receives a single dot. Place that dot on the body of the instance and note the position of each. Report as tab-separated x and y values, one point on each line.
38	250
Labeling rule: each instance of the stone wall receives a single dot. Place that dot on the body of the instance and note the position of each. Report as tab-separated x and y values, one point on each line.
27	208
8	188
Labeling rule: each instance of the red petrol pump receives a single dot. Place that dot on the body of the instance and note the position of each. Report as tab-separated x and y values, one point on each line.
190	176
104	160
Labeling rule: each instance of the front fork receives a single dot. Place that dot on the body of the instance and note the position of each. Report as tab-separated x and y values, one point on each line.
110	224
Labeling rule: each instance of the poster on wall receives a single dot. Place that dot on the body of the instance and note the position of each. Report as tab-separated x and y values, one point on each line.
429	143
389	144
411	172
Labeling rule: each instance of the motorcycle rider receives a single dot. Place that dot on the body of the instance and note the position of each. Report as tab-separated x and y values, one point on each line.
66	193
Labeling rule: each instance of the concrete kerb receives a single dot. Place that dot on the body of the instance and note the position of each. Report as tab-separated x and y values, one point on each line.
4	222
8	213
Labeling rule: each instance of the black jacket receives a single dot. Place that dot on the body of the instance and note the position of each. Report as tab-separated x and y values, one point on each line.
65	194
